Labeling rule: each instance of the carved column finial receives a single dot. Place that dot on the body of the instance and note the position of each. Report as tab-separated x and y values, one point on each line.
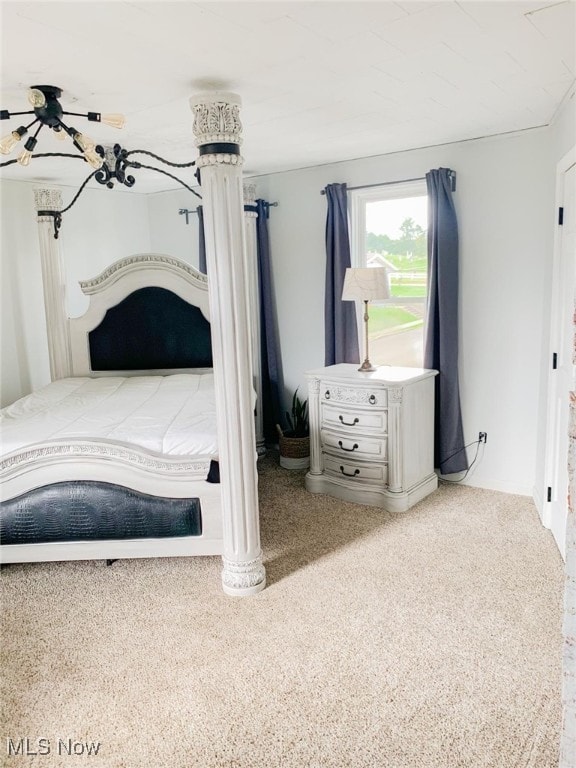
48	204
217	128
249	189
48	199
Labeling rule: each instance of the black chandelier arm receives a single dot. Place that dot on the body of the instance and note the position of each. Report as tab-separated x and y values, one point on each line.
161	159
164	173
63	125
76	114
6	114
38	129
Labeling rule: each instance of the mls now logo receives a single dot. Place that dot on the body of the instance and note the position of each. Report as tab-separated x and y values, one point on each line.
27	747
69	747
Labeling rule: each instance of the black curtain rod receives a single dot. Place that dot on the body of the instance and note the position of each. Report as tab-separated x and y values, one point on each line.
400	181
187	211
195	210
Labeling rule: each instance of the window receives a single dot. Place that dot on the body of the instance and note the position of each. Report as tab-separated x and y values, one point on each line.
388	229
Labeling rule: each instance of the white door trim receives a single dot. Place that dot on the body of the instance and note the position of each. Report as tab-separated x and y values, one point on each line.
556	317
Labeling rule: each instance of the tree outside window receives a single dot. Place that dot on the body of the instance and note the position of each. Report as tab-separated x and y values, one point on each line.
389	230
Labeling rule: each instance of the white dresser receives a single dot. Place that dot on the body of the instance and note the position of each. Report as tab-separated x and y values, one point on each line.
372	435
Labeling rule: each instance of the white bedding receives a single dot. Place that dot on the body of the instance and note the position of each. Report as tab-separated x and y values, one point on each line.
170	415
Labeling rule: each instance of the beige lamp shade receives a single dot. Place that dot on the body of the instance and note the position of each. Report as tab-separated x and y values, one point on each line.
366	284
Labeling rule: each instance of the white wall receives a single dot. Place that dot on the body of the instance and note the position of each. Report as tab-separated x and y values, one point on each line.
169	232
103	226
504	202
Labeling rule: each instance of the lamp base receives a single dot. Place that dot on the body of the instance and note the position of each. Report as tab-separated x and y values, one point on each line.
367	366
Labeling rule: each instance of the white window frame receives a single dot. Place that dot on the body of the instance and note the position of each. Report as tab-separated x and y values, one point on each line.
358	199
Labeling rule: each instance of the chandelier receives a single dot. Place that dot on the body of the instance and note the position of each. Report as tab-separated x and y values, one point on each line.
48	111
110	164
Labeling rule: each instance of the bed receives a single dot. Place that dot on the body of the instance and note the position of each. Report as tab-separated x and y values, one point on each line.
120	459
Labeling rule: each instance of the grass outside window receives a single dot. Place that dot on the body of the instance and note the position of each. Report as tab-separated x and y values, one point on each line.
385	318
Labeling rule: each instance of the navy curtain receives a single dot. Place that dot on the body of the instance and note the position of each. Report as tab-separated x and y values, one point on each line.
340	328
441	343
270	351
201	241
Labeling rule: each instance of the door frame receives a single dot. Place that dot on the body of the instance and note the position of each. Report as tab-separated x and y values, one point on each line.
556	317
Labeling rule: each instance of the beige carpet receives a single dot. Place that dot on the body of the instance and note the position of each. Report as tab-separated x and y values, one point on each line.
425	640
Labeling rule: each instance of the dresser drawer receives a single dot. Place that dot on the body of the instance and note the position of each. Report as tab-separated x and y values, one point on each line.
335	393
355	471
351	420
352	447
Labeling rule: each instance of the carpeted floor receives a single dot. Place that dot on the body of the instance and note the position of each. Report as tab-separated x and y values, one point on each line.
430	639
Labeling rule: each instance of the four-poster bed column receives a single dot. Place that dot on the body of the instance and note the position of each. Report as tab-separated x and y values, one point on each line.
251	216
53	282
217	129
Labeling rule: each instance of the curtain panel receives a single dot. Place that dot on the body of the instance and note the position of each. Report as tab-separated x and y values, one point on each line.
269	346
441	342
340	327
270	350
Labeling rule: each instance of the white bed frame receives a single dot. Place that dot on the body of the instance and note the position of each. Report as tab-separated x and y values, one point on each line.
231	259
135	468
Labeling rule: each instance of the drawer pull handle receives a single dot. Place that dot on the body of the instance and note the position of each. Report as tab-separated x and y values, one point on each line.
372	399
349	423
354	447
347	474
327	394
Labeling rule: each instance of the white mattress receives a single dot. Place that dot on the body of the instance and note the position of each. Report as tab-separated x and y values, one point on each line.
169	415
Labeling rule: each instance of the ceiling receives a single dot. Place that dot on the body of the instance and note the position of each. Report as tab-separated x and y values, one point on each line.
320	81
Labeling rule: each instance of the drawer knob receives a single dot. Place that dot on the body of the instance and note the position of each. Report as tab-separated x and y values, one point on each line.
349	423
372	399
347	474
354	447
327	394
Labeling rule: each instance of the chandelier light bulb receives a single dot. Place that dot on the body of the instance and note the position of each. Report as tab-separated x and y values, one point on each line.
36	98
29	147
8	143
93	159
60	135
25	157
115	121
84	142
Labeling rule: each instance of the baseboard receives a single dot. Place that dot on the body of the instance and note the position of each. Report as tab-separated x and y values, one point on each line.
498	485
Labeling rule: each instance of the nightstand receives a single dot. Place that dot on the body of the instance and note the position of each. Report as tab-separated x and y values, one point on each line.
372	435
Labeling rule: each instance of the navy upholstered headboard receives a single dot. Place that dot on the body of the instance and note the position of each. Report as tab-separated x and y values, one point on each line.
147	313
152	328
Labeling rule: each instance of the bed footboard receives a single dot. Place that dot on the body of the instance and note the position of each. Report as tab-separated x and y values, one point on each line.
88	510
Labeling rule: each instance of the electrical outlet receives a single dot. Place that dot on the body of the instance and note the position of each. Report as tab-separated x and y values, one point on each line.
482	437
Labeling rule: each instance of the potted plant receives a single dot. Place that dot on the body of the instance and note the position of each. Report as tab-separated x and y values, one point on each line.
294	443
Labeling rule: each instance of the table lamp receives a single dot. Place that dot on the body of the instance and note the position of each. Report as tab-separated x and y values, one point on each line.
366	284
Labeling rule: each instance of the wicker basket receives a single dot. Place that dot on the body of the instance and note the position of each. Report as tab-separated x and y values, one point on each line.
294	451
